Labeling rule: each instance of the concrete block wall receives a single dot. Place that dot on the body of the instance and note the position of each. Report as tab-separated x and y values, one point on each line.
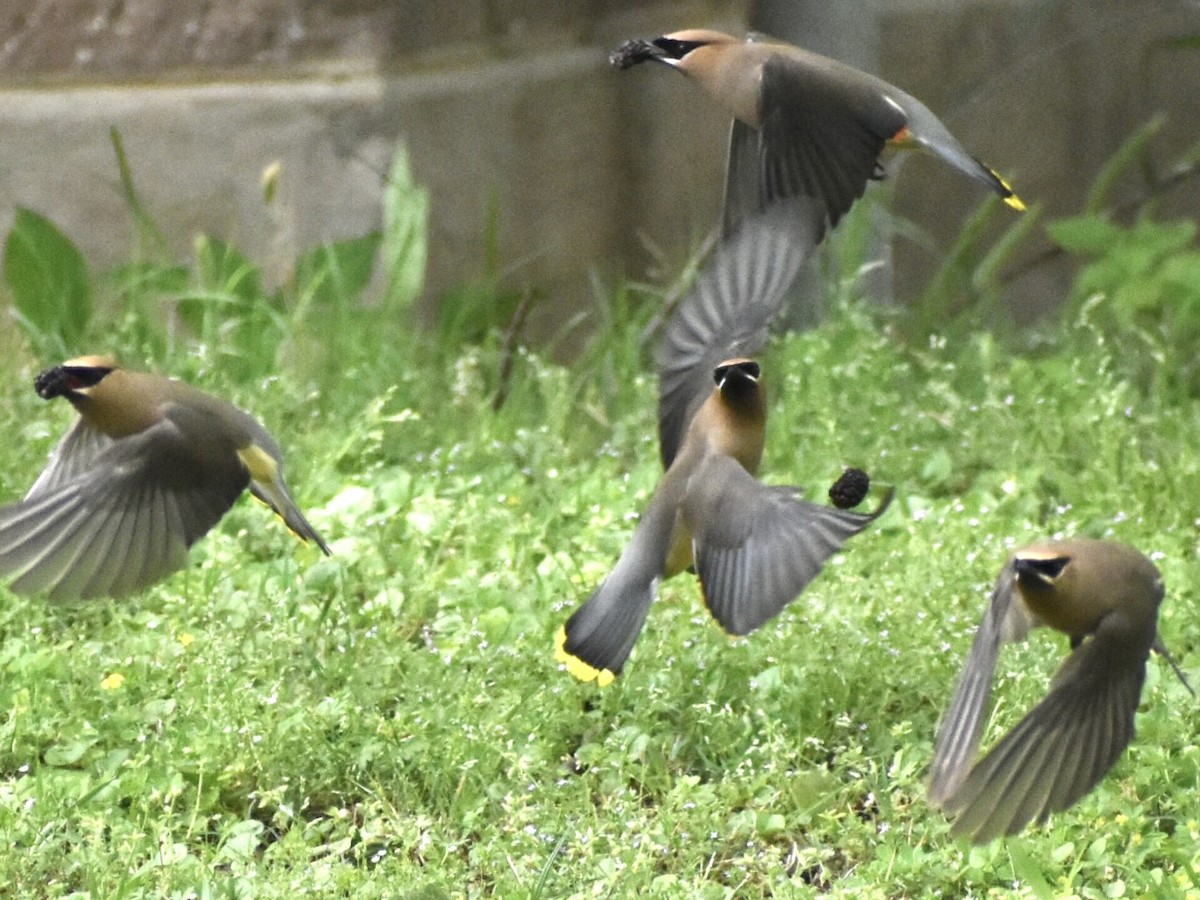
1047	92
509	106
508	110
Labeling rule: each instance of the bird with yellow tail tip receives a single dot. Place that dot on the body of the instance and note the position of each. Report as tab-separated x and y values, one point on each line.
803	123
150	465
754	547
1104	596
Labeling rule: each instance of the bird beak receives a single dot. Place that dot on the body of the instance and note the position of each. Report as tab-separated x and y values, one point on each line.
631	53
52	383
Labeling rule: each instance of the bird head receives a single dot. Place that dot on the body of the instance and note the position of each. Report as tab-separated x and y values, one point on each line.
74	377
670	49
1039	571
738	380
733	371
676	46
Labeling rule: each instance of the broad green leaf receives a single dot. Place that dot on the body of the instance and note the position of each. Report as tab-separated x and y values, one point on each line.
1090	235
337	272
68	753
49	282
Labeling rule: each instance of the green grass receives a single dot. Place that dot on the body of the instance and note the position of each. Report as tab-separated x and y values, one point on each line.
390	722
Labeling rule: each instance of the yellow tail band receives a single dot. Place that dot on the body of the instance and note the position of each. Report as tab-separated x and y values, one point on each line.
577	666
1011	199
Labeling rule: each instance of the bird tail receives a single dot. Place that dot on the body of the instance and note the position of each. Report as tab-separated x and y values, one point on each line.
595	642
267	485
598	638
926	129
276	495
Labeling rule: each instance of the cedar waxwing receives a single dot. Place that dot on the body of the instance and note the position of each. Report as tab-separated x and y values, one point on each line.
803	123
754	547
1104	596
147	469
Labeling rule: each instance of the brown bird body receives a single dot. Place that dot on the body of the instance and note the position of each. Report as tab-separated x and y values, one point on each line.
754	547
732	424
803	123
1104	596
147	469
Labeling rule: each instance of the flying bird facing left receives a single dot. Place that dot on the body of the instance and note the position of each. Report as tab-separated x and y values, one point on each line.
803	124
150	465
754	547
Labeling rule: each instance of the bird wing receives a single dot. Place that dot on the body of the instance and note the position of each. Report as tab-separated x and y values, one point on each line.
726	314
75	453
127	520
743	169
823	126
1006	618
598	638
1063	747
757	547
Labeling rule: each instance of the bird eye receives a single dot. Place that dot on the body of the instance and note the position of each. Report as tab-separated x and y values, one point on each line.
676	49
84	376
752	369
1045	570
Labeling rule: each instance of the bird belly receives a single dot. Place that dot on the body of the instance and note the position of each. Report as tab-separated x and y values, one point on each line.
679	557
1070	618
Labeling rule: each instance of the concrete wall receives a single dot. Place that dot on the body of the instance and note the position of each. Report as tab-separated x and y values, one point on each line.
1046	92
509	106
511	114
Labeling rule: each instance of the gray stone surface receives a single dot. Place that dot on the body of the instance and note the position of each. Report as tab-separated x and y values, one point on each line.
509	108
1046	92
